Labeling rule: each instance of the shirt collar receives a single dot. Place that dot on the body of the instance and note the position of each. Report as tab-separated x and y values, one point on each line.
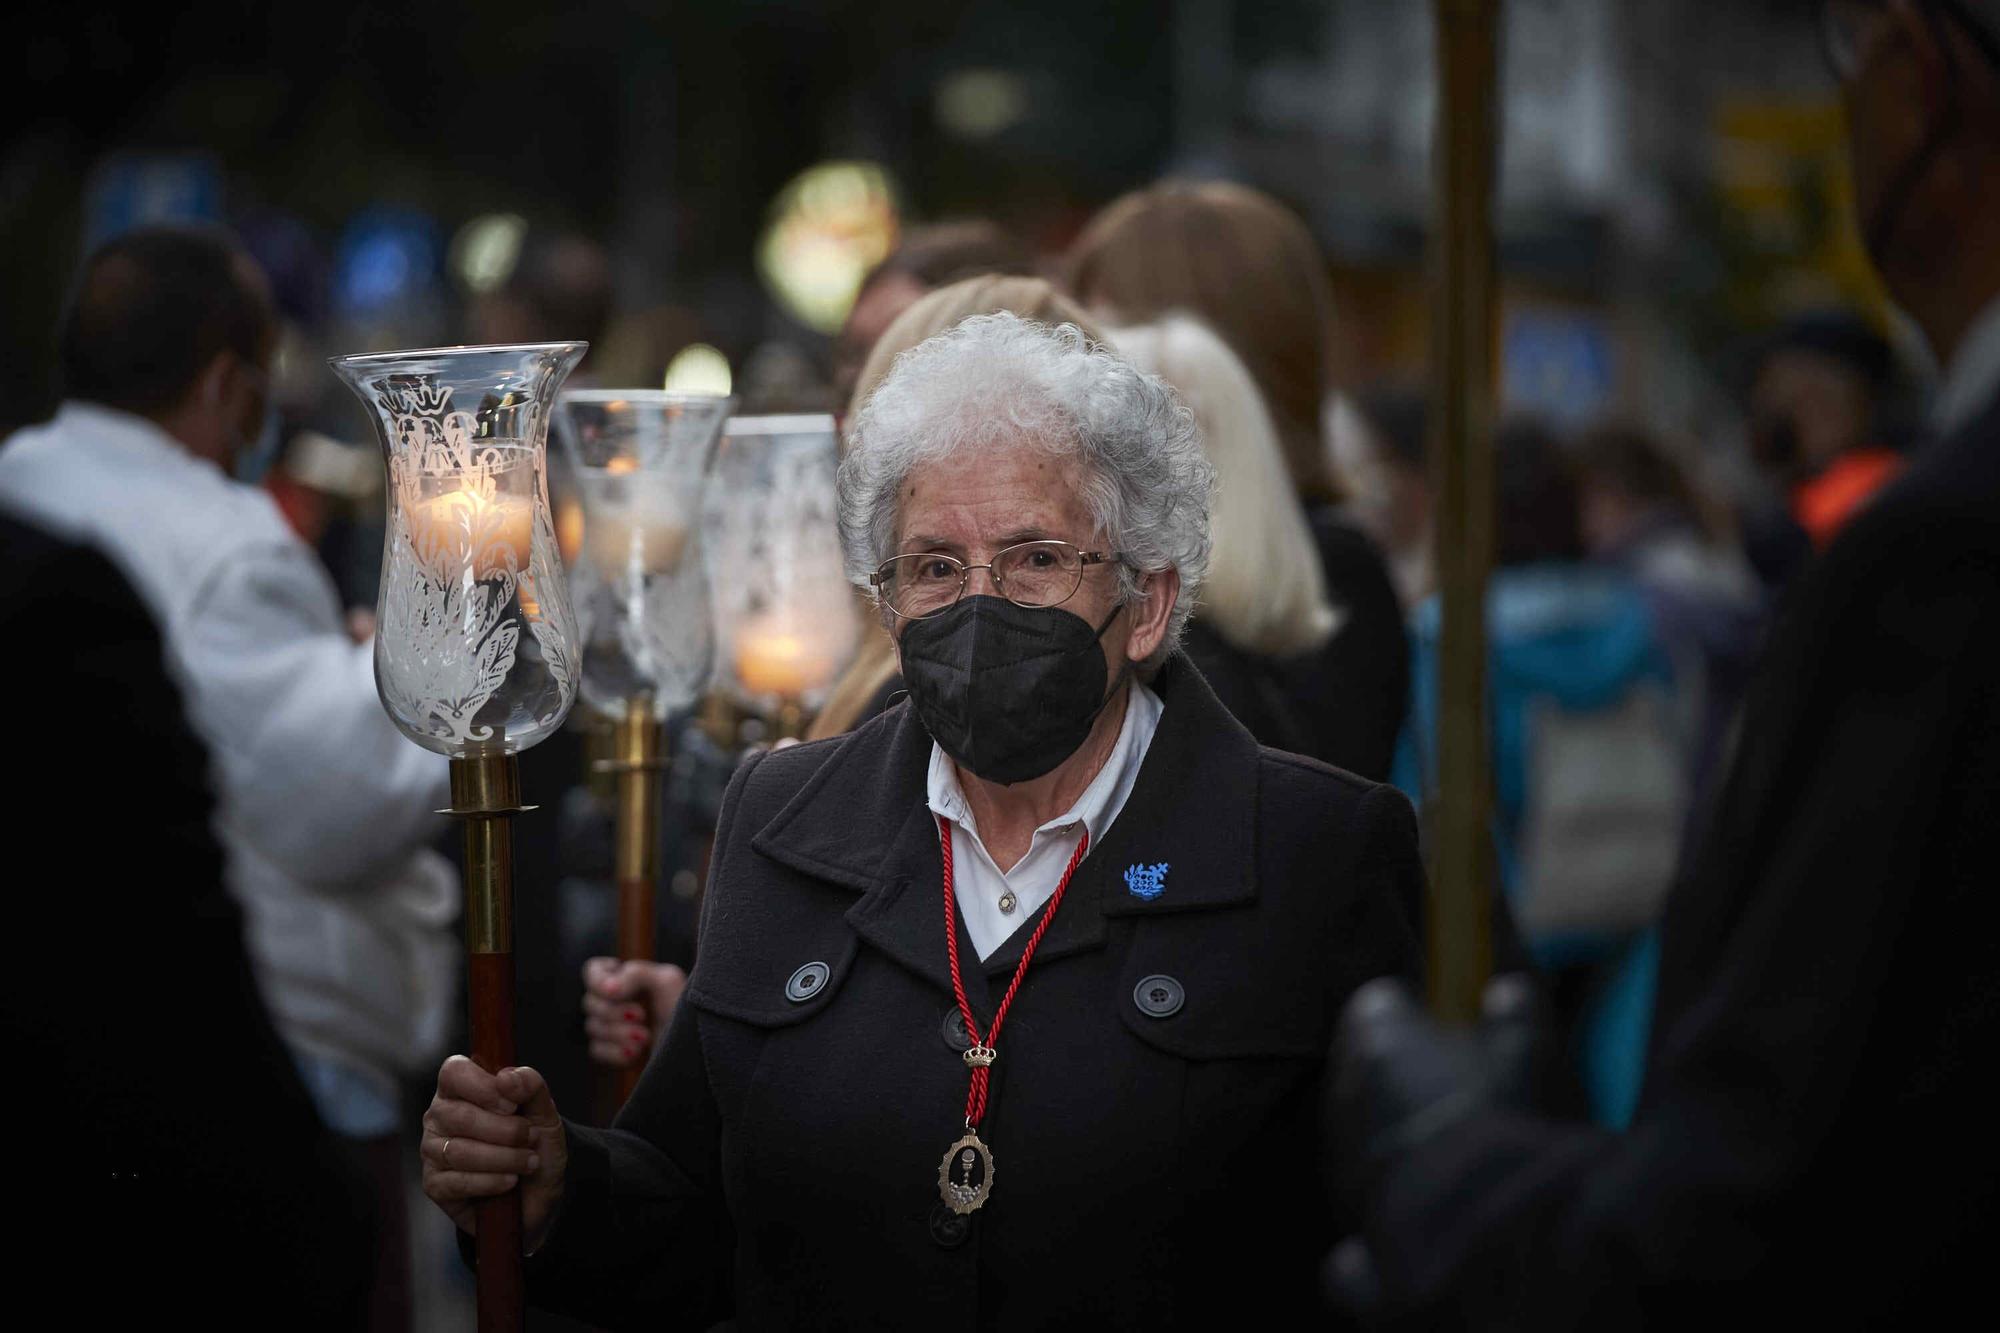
100	424
1974	374
1100	802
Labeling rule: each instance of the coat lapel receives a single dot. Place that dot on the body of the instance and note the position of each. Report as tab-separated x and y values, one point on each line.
1186	840
861	822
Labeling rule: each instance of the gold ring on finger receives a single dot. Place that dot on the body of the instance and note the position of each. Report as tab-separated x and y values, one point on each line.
445	1153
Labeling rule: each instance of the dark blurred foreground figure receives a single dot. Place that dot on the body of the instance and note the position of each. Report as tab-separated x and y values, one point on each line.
128	1002
1815	1134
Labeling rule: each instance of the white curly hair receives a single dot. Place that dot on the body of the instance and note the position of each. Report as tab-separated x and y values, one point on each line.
1000	381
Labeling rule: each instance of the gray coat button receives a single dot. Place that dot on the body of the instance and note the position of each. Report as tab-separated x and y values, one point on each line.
807	982
1158	996
955	1035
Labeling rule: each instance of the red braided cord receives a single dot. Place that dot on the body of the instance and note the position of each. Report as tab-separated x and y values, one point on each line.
975	1096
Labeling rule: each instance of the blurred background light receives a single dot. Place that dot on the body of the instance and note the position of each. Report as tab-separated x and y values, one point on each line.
698	368
486	249
386	258
137	189
980	103
828	226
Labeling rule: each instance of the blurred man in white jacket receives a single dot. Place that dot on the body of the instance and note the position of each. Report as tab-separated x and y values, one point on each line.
322	808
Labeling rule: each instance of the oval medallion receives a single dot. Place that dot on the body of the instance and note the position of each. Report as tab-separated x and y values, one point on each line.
965	1176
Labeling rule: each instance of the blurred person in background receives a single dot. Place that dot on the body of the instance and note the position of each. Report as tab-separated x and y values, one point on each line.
1814	1142
558	290
167	1065
1061	790
1265	597
1641	515
926	258
1587	747
1248	268
1379	450
1820	389
323	809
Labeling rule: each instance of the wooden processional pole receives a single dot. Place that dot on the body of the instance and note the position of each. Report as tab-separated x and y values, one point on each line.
1462	342
485	797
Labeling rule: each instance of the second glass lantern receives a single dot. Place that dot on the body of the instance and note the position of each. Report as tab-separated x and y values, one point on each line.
639	459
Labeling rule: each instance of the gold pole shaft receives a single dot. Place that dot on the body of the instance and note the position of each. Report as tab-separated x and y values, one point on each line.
637	761
1462	336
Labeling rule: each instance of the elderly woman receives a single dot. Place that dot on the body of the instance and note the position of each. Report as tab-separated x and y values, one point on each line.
1011	1005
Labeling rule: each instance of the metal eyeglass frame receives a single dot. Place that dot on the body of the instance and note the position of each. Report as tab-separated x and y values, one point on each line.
1085	559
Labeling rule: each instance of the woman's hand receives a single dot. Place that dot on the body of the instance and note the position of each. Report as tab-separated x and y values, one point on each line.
485	1133
627	1006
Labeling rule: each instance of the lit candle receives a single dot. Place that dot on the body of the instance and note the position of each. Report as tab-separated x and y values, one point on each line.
464	527
621	541
773	660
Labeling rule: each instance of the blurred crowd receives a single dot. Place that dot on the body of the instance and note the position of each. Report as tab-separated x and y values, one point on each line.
222	471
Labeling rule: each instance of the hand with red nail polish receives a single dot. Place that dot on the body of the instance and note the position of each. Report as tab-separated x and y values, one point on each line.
627	1006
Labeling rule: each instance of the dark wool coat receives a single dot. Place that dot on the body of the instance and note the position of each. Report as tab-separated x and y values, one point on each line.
1156	1159
204	1140
1816	1134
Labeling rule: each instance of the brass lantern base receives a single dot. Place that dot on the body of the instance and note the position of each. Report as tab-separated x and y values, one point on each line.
638	757
486	794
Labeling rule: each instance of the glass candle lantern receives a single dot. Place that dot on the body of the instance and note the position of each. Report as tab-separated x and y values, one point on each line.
786	619
475	643
640	459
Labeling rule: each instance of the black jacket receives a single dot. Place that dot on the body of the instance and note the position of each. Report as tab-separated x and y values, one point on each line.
1349	697
1815	1135
779	1160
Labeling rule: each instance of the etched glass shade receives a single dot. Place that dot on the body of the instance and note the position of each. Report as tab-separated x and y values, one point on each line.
786	619
639	458
475	643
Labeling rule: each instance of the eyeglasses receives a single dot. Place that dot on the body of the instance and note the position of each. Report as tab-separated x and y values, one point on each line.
1030	574
1848	27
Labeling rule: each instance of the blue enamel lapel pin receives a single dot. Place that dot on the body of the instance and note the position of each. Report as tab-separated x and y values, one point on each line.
1147	881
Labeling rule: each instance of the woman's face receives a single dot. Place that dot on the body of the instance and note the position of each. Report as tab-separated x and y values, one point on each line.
973	505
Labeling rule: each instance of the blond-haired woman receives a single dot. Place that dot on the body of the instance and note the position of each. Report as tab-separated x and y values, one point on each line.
1249	268
1265	599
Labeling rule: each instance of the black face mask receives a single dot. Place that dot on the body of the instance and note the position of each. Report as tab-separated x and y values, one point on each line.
1007	691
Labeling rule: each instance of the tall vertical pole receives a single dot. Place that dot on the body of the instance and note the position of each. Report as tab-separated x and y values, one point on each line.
1462	340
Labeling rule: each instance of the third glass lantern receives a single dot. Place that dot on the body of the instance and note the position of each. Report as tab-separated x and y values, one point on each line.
786	619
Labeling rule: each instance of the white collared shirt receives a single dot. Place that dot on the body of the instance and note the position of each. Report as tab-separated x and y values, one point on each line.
1973	377
323	809
980	885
